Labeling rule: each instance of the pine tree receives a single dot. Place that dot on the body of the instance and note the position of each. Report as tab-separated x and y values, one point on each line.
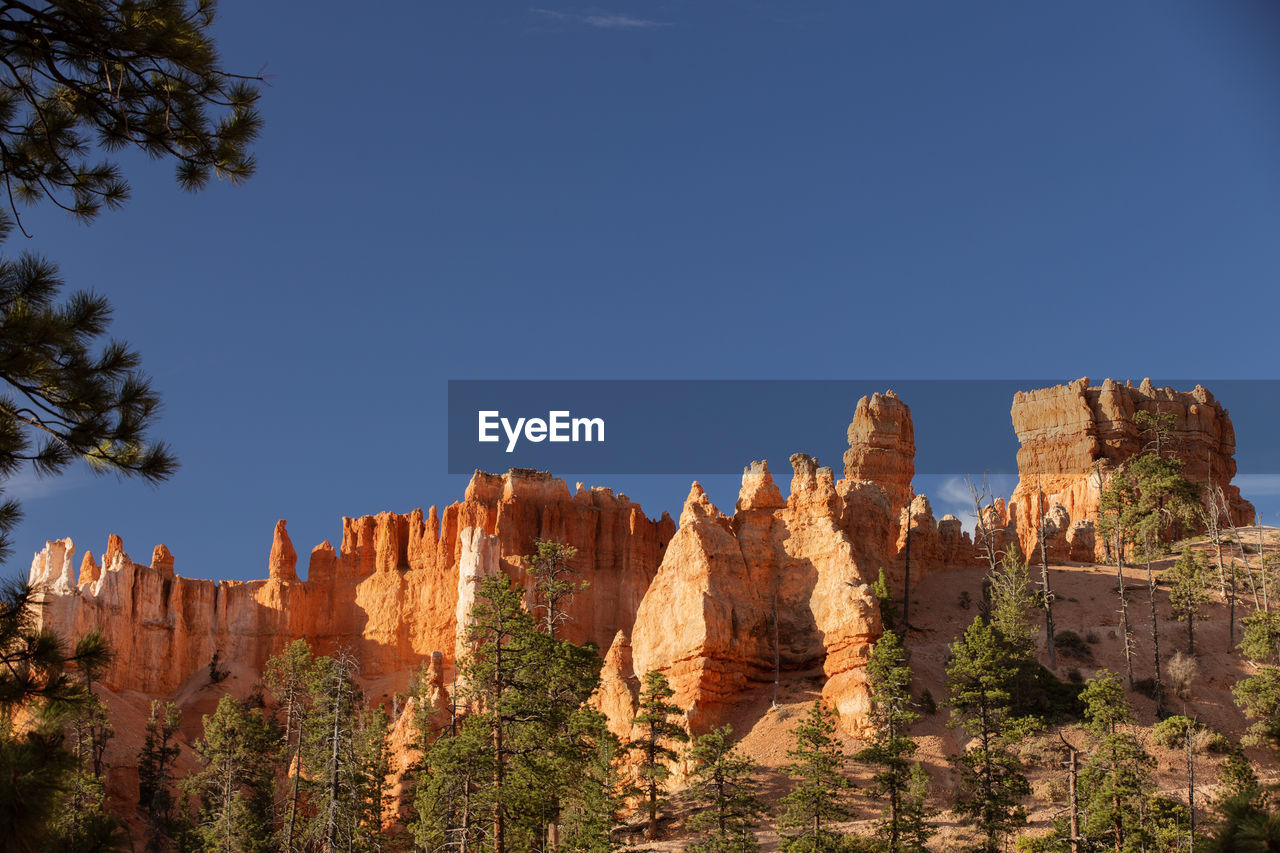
1258	695
155	775
346	764
81	821
453	794
524	686
1188	592
234	787
105	75
294	678
47	685
914	812
67	393
1116	783
1105	706
596	797
1013	606
553	582
1115	508
814	801
979	677
653	745
724	794
891	745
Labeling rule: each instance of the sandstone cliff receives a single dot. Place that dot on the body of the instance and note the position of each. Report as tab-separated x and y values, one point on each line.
1071	435
390	592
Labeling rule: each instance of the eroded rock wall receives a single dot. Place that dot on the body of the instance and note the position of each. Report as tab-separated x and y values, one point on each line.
1072	435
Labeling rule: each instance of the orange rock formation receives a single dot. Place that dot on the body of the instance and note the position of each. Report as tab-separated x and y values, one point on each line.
719	604
1072	435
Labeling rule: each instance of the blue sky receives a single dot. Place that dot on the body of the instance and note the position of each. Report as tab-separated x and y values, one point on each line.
666	189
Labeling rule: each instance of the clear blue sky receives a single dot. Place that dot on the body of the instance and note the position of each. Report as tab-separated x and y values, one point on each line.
666	189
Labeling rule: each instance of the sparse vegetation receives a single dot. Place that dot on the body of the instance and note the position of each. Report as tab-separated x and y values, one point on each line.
1069	644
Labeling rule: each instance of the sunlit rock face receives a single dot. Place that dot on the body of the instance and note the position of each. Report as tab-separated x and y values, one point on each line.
1073	435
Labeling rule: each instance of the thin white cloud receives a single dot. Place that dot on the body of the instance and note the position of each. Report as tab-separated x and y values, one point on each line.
600	20
1258	484
26	485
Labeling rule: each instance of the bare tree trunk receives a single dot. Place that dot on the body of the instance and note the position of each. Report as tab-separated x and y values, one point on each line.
1124	606
331	820
1073	770
1044	581
1262	564
777	654
1191	788
1155	629
906	579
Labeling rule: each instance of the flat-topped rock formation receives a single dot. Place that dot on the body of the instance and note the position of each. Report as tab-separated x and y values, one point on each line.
1073	435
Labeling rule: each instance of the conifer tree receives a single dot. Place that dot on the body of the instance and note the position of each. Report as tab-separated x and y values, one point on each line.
1258	695
724	794
155	775
234	787
1188	592
294	678
1105	707
658	731
914	812
81	821
67	392
891	745
346	764
1114	511
48	685
106	75
553	582
1116	783
597	795
979	677
452	796
814	801
524	686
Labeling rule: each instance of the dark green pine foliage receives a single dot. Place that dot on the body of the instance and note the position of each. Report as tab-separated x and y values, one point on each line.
1188	580
657	721
1116	786
725	796
233	790
156	803
90	77
1258	695
891	745
294	678
345	759
814	801
914	812
595	799
1105	706
992	782
81	821
66	392
453	797
554	582
44	679
524	688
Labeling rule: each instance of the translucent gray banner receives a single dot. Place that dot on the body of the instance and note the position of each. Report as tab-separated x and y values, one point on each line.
718	426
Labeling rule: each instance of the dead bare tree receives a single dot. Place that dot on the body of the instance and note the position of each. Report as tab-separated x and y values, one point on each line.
983	535
1155	624
1112	504
1262	562
1073	771
1211	513
1045	592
